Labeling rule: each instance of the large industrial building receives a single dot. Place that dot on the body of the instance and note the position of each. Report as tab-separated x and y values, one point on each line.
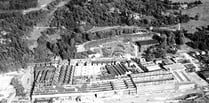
105	78
82	78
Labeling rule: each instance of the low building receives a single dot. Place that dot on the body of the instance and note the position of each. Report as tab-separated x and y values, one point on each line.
81	78
190	67
178	70
187	86
151	66
167	62
153	82
145	44
174	67
184	6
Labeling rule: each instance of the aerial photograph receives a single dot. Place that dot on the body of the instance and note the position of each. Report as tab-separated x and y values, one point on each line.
104	51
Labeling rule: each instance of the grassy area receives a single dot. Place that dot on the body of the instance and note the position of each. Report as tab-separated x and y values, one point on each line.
201	10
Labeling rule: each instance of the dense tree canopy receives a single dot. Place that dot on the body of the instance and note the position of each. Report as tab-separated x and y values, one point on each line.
75	18
115	12
200	39
14	54
17	4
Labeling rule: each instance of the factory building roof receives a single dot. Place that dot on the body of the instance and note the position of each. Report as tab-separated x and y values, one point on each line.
176	66
146	42
153	67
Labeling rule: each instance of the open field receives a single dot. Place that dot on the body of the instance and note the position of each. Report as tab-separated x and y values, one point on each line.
201	10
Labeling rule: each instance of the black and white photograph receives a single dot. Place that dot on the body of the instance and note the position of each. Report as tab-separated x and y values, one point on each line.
104	51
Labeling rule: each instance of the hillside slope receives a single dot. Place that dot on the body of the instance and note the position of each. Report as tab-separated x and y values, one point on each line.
71	20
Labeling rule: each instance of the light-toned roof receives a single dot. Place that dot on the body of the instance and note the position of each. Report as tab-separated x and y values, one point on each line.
153	67
176	66
5	81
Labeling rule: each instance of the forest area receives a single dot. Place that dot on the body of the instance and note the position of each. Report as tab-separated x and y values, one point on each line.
14	28
76	17
79	15
17	4
200	39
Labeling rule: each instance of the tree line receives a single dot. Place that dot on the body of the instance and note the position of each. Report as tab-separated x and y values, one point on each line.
17	4
112	12
76	17
169	42
199	39
15	54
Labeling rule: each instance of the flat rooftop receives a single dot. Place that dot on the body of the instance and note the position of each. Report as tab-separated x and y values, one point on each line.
176	66
92	76
84	77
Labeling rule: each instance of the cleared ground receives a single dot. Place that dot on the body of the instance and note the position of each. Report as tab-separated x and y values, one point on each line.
115	49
